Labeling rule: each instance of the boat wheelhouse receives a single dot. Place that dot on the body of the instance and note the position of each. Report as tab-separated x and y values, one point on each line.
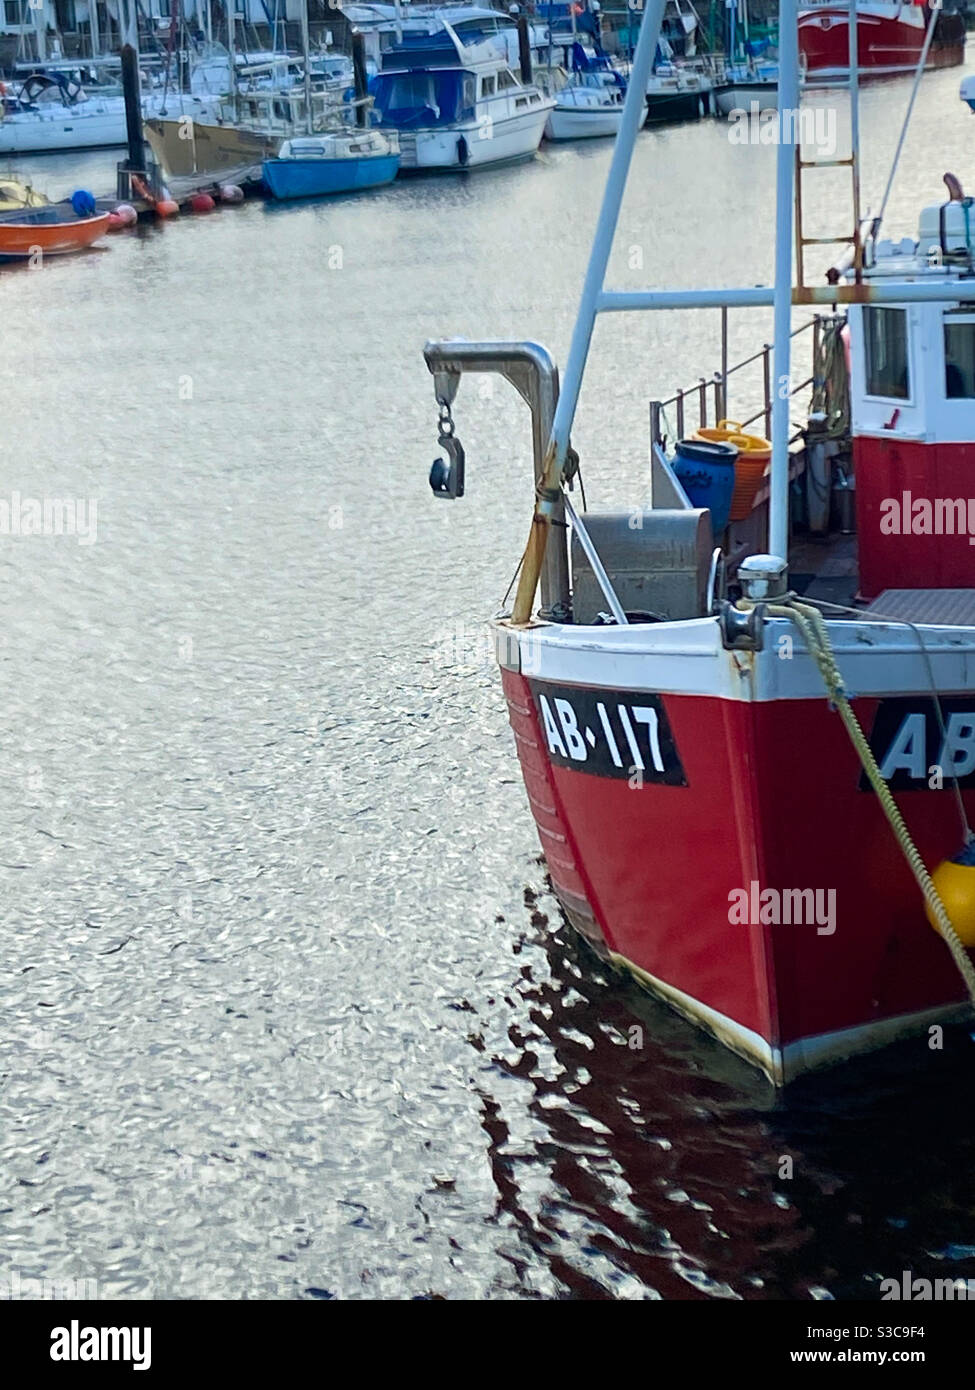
746	747
455	104
913	411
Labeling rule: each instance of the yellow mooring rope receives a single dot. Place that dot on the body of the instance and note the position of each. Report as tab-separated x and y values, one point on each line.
810	623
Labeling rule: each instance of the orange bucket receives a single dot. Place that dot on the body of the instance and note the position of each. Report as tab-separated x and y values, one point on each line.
754	454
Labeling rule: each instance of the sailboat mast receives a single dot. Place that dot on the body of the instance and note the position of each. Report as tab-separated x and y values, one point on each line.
785	171
93	30
232	45
306	61
40	33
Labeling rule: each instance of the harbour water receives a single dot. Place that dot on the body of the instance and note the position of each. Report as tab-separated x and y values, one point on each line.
289	1008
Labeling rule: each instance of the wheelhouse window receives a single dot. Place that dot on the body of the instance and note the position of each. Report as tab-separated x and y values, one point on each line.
424	99
487	86
959	357
507	79
885	352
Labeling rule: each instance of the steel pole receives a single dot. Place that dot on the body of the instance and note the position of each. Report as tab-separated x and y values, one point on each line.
785	173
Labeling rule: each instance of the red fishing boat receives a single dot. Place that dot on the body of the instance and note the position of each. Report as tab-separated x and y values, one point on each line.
890	37
751	759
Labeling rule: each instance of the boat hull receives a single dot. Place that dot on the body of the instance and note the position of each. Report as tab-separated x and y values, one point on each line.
62	129
758	788
316	178
218	152
56	128
582	123
24	240
474	146
889	40
743	96
677	105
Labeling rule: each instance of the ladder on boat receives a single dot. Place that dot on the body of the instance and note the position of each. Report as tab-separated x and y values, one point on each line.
851	239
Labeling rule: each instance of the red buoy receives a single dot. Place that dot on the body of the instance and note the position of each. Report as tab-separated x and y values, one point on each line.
202	202
122	215
165	207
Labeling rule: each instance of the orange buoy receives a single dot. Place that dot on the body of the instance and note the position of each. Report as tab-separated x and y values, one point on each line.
165	207
954	880
202	202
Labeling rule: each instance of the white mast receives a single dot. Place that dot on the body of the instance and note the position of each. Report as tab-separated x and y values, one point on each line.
785	169
232	45
306	61
93	30
40	32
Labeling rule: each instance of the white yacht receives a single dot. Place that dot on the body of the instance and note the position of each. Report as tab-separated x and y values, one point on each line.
451	90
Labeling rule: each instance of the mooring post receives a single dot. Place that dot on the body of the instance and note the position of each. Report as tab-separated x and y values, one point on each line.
135	162
360	80
524	48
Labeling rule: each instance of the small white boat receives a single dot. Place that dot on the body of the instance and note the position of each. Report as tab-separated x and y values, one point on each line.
585	107
744	84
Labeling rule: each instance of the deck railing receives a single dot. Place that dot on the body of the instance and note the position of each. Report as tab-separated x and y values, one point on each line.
713	390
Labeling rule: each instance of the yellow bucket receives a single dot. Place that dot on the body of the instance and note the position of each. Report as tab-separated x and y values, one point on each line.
754	454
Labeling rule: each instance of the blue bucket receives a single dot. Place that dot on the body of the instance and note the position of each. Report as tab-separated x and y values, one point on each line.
706	472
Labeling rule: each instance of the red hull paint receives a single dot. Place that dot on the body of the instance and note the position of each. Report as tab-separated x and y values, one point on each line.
772	796
887	469
884	45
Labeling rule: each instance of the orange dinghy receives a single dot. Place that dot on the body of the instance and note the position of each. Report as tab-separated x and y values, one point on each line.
53	230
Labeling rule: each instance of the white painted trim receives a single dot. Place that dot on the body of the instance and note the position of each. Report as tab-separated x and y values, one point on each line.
747	1043
782	1065
687	658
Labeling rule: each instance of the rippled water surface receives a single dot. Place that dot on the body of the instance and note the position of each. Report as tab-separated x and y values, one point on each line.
288	1007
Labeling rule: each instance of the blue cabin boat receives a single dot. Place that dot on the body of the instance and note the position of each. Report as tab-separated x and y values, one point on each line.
341	161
